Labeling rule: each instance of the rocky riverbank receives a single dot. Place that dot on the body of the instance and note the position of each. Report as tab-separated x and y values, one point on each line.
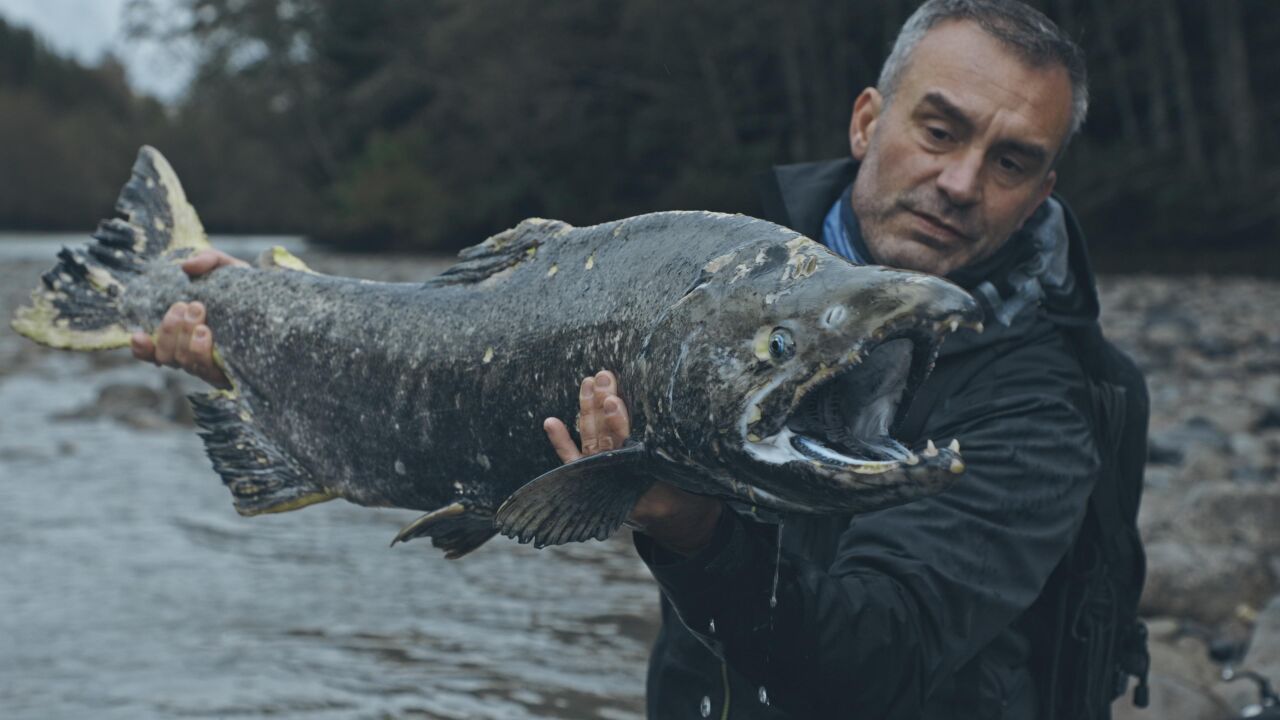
1210	347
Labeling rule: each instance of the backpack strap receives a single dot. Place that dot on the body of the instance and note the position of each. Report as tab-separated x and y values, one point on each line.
1119	412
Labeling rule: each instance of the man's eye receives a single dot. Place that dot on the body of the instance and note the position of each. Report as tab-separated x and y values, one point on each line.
938	133
1010	166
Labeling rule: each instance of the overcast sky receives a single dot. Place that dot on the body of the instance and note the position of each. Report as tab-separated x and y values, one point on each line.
88	28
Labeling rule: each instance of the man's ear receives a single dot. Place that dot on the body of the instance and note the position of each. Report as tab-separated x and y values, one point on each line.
1046	187
866	110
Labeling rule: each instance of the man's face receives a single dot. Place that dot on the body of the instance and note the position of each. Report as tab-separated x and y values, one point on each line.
961	156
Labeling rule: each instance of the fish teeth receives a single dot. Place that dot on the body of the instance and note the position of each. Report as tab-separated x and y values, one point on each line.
954	446
955	325
930	450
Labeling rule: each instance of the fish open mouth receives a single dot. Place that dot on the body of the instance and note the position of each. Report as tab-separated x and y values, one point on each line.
843	421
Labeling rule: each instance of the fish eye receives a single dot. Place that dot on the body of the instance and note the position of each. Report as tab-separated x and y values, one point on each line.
781	345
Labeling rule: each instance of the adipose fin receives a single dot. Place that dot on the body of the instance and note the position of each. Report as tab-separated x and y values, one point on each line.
278	257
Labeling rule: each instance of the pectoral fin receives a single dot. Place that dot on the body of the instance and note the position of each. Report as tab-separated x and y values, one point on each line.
584	499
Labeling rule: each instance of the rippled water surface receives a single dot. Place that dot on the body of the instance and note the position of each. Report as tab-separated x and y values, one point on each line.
131	589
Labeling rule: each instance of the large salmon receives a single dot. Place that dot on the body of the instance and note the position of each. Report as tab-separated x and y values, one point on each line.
758	367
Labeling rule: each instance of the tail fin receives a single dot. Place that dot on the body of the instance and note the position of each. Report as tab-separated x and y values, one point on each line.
80	305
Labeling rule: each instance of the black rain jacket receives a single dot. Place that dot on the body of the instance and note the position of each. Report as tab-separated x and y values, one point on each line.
916	611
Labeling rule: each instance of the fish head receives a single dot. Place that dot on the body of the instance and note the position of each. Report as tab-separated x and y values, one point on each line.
801	364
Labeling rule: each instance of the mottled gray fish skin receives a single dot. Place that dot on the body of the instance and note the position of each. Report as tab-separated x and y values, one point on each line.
432	396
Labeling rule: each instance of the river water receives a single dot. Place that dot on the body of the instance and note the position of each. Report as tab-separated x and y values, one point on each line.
130	588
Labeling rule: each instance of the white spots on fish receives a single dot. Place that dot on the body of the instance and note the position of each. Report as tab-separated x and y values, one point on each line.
834	316
773	297
488	356
159	224
399	466
457	486
716	264
554	269
591	261
150	183
483	461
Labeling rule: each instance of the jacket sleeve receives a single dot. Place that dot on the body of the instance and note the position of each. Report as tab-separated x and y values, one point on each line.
916	590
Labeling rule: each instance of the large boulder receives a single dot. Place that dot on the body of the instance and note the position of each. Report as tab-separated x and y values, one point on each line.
1205	583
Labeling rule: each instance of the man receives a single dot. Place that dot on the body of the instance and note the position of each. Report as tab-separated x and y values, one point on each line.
923	610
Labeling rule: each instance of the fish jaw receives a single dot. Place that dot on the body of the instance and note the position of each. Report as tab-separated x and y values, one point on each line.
816	436
792	473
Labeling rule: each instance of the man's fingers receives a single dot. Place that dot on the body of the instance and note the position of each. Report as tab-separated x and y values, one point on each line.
167	336
202	354
587	416
613	424
207	260
617	422
193	316
604	389
563	444
142	347
201	263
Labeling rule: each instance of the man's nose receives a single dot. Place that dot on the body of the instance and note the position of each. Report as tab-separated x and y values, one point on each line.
961	178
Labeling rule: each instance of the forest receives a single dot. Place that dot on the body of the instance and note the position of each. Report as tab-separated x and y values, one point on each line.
426	125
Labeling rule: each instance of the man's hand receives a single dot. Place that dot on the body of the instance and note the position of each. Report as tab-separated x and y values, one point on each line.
678	520
183	340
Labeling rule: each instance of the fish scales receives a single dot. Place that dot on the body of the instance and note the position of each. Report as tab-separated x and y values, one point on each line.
380	373
732	337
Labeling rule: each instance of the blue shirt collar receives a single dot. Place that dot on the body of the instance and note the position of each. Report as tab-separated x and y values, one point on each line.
841	233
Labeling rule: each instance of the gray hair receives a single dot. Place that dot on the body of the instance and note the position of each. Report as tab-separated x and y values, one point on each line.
1023	29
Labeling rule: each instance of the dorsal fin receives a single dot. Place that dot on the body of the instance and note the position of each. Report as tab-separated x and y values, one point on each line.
504	250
